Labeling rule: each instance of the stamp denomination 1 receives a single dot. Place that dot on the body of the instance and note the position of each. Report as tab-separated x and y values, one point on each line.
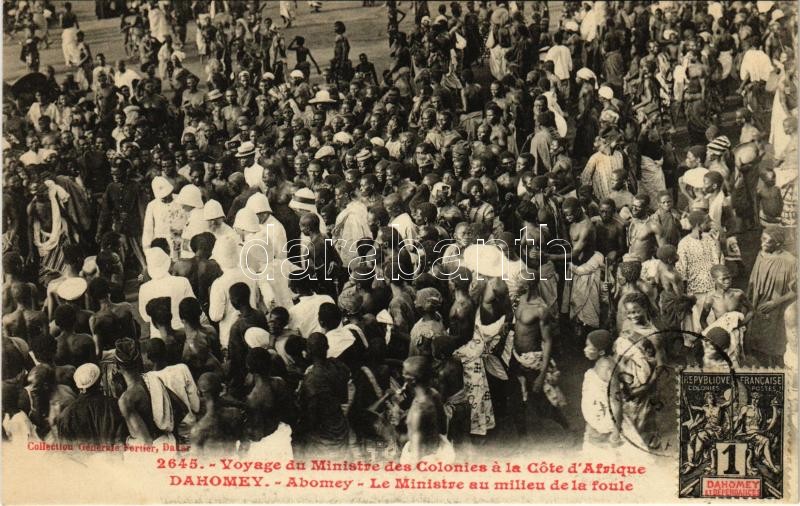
731	434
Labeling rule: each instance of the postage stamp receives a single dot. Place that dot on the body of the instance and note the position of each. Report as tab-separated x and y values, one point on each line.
731	434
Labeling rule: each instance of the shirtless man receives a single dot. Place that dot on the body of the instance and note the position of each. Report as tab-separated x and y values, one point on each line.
269	404
135	403
495	306
12	274
610	232
644	234
24	322
99	292
630	279
731	309
581	292
462	312
582	233
531	358
710	431
724	298
220	427
668	278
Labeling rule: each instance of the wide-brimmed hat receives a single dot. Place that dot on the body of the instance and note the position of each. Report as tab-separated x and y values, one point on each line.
258	203
213	95
246	220
303	200
161	187
212	210
322	97
190	195
245	150
71	289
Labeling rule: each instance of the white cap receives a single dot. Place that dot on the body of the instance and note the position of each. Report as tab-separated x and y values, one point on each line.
342	138
606	92
377	141
256	337
161	187
258	203
246	220
190	196
212	210
298	74
86	375
324	151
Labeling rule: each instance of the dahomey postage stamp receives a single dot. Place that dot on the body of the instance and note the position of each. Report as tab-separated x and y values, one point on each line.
732	434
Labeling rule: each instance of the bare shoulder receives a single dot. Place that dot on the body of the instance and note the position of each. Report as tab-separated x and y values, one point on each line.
531	312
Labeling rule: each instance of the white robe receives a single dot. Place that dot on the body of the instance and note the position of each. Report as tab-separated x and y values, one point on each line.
352	225
220	308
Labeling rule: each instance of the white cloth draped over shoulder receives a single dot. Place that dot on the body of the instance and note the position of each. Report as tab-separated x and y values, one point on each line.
352	225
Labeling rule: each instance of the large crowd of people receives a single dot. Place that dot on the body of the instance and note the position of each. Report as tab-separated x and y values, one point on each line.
396	263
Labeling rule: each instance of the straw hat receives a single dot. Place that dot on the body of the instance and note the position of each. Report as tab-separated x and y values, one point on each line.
303	200
245	150
322	97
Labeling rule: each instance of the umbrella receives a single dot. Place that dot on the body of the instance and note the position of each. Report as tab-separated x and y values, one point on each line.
26	87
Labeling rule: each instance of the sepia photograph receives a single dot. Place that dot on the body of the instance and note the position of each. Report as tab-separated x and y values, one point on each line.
260	251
